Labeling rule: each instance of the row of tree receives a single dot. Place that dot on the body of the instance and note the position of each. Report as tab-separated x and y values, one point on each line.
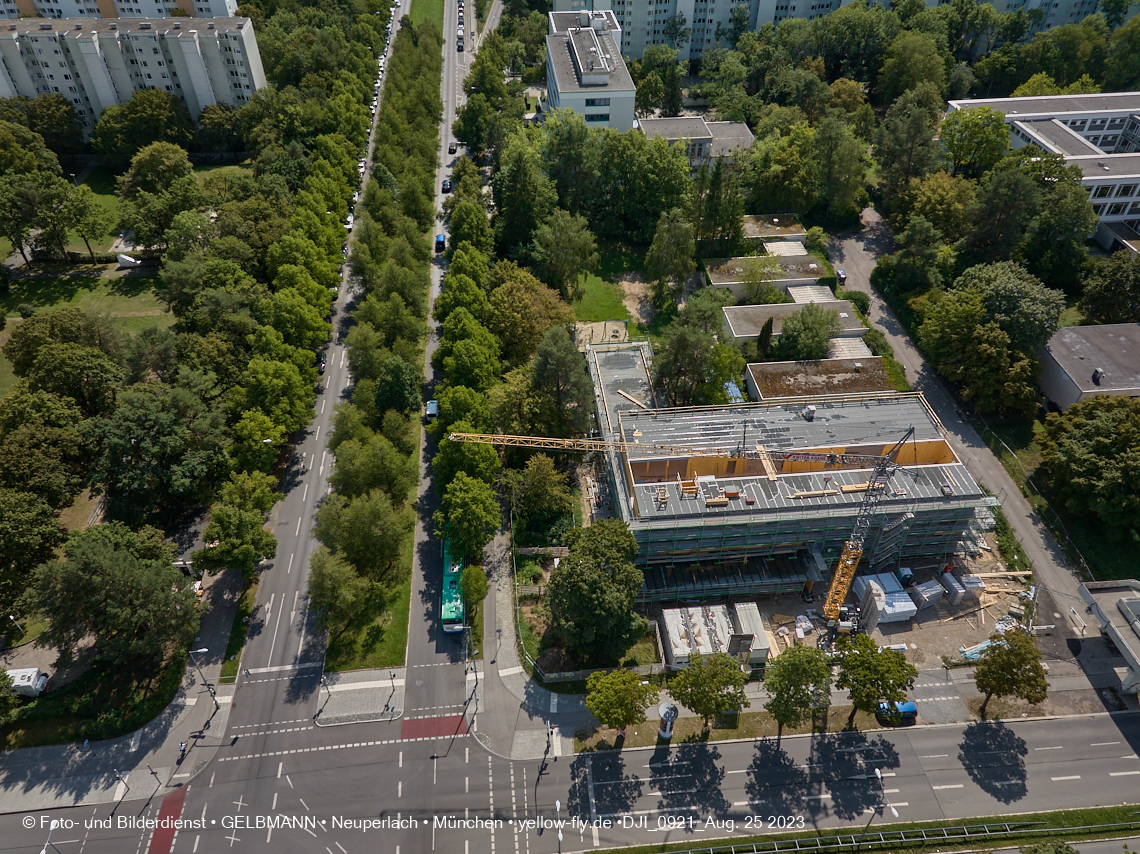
799	682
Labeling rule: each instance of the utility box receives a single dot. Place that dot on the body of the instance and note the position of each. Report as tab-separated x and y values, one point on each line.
905	576
28	681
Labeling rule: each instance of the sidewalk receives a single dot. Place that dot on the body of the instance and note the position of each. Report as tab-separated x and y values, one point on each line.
147	760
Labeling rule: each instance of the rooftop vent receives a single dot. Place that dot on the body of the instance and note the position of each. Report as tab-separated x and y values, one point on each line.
1097	375
858	367
177	26
114	26
210	26
79	26
45	26
809	413
144	26
584	18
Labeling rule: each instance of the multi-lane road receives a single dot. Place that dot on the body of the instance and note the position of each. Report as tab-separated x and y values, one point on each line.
423	784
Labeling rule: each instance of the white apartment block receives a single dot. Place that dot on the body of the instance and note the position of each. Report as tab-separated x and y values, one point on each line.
98	63
642	20
585	71
117	8
1098	133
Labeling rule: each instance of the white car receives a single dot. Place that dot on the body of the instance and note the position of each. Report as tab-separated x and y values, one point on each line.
459	32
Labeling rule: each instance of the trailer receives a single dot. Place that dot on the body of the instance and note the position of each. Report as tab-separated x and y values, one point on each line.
28	681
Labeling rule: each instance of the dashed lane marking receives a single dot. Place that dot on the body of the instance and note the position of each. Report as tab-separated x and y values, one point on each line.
339	747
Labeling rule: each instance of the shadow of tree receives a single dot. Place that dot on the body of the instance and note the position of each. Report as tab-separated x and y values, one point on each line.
690	776
776	781
614	792
849	760
994	757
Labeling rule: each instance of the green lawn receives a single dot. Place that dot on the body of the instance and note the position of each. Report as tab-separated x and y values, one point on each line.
131	296
239	630
232	170
431	10
602	300
102	184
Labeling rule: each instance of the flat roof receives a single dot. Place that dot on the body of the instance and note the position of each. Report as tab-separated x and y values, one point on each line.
845	421
746	321
560	22
729	136
848	348
672	129
1059	137
566	75
1055	105
771	226
785	248
731	271
1116	606
803	294
122	26
1114	349
1107	165
822	376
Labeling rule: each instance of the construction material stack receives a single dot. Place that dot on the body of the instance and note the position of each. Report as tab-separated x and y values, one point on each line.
926	594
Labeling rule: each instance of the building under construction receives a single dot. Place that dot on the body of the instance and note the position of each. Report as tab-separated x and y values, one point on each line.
739	502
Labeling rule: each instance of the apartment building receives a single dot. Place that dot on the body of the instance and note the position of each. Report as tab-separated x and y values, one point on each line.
117	8
585	71
1098	133
101	62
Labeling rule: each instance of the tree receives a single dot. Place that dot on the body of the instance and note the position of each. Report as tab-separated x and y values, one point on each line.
524	196
592	592
85	374
154	169
1007	205
691	368
975	353
662	73
974	139
369	463
906	148
1090	458
337	594
90	220
799	681
842	164
521	310
368	531
943	200
50	115
563	249
1026	311
805	334
560	377
468	514
764	340
473	459
1112	290
236	538
670	260
716	206
475	587
119	586
9	702
1055	240
872	675
469	224
539	493
912	59
151	115
676	31
710	686
1011	667
760	272
29	534
618	699
219	129
397	386
278	390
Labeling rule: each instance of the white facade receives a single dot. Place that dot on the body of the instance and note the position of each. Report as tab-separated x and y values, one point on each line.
103	62
585	71
117	8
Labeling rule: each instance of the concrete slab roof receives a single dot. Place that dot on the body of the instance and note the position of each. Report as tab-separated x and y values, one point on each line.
1057	105
1052	135
804	294
123	26
1114	349
731	271
673	129
771	226
746	321
848	348
1116	606
558	47
822	376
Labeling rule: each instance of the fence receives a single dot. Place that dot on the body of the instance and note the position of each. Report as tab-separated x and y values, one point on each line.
919	838
566	675
1053	520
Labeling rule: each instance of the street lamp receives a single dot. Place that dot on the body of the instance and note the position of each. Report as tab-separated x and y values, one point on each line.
119	777
558	818
879	777
205	681
325	685
18	626
47	842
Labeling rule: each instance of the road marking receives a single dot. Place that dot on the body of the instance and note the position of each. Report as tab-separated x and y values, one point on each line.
935	756
298	531
510	671
1074	777
747	803
1103	743
290	569
953	786
1129	756
274	801
136	738
280	765
1058	747
322	406
1123	773
400	789
281	668
318	437
824	797
305	495
553	704
890	791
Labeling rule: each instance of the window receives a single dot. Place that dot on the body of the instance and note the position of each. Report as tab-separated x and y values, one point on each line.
1125	190
1102	192
1117	209
1098	210
597	102
597	117
1135	209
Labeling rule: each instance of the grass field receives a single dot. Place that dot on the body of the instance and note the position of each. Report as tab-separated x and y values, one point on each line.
239	630
102	184
431	10
602	300
234	170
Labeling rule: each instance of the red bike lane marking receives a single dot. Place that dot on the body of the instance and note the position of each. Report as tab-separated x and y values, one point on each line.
433	727
163	839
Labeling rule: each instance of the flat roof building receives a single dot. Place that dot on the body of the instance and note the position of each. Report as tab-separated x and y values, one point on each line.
90	9
784	226
744	322
724	506
1080	362
767	380
704	141
735	274
585	71
1116	606
1099	133
102	62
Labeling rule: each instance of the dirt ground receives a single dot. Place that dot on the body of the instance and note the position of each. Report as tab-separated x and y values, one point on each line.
638	294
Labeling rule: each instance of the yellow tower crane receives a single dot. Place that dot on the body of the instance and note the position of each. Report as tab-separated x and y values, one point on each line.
884	469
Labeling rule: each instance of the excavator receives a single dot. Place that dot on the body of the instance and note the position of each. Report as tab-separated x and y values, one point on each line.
884	469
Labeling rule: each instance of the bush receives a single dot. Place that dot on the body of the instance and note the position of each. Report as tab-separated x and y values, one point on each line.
858	299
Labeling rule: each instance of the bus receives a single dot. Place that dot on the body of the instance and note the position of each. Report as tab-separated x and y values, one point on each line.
451	600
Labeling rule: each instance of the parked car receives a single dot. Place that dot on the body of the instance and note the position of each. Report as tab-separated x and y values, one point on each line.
451	148
431	410
903	713
440	243
447	186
